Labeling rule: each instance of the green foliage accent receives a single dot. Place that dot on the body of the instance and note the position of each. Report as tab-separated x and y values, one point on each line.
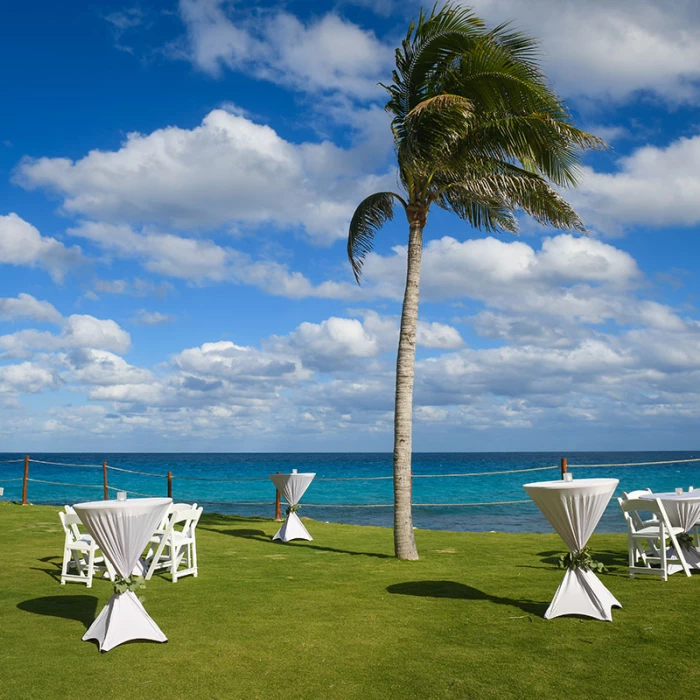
293	509
132	583
580	560
685	540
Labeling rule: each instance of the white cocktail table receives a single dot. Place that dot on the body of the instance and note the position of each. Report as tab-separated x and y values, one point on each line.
573	509
122	530
683	510
292	487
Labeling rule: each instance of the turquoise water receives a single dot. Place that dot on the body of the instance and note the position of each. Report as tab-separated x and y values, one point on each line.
223	497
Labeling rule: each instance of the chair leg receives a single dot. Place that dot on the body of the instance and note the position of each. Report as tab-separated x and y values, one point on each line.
156	558
680	555
194	558
64	568
174	561
90	567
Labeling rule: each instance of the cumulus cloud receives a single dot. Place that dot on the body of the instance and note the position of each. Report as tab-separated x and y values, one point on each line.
153	318
27	306
651	187
326	54
101	367
608	49
228	170
22	244
339	344
77	330
508	273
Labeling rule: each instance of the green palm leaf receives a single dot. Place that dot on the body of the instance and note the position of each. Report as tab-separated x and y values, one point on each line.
371	214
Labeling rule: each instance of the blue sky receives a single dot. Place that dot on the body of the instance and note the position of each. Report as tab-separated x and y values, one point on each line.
176	181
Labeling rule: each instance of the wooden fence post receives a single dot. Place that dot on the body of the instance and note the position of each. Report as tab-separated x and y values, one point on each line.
170	484
104	481
24	481
278	508
564	467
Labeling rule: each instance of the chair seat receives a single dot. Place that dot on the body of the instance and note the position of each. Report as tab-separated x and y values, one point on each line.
177	537
652	532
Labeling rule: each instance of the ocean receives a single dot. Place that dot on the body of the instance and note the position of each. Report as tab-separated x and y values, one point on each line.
351	481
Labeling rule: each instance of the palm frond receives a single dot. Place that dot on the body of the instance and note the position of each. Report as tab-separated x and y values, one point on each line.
513	189
371	214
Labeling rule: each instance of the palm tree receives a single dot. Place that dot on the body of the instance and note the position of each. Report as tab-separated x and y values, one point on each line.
479	132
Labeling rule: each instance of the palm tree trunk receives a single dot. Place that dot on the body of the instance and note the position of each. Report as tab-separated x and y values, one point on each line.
404	541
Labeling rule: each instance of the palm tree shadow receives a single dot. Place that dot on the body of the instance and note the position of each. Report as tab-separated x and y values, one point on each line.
262	536
460	591
70	607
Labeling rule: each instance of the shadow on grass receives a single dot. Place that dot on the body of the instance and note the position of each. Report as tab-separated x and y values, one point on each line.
260	536
70	607
459	591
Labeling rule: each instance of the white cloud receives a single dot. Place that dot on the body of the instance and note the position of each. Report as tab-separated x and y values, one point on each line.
153	318
340	344
103	368
507	273
26	378
27	306
22	244
227	170
651	187
606	49
136	287
327	54
77	331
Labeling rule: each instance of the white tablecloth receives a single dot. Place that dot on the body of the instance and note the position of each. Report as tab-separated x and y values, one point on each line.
292	486
683	510
573	508
122	530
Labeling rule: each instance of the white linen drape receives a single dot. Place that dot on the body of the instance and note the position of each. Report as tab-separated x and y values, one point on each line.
122	530
573	509
292	487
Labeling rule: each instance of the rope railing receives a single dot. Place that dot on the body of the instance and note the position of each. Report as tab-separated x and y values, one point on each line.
634	464
65	464
65	483
415	505
132	471
170	477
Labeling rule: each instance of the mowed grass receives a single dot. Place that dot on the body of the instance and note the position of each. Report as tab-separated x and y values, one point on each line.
339	617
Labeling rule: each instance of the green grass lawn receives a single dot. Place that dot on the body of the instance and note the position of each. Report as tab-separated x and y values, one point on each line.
339	617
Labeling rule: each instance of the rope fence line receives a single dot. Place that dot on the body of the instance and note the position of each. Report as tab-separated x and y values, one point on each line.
65	464
169	476
64	483
634	464
415	505
131	471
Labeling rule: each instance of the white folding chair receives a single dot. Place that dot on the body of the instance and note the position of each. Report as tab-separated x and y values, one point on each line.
636	494
80	553
177	545
172	508
654	535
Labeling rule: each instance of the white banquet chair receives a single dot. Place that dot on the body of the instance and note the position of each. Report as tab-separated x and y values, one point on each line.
80	553
626	495
176	545
654	535
172	508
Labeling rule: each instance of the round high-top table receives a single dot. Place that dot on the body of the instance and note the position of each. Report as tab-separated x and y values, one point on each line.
122	530
573	509
683	510
292	486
